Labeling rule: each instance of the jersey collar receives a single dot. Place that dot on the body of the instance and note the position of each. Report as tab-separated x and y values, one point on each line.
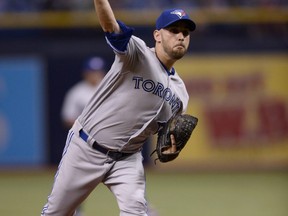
171	72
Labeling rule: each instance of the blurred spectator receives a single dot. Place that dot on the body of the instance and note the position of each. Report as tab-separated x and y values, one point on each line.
79	95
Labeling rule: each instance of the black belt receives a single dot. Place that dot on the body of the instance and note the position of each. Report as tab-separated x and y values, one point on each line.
115	155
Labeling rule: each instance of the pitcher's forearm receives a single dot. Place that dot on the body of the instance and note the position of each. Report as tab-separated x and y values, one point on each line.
106	16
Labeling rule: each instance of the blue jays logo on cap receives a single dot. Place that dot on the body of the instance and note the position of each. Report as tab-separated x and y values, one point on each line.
179	12
171	16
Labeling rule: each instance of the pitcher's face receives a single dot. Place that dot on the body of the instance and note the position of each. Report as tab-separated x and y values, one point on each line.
175	40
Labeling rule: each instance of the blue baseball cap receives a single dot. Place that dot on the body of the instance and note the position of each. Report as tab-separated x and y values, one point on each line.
171	16
93	64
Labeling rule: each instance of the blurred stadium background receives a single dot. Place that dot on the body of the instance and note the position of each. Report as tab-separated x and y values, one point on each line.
236	73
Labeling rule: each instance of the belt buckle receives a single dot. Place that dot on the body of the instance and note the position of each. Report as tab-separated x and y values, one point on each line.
115	155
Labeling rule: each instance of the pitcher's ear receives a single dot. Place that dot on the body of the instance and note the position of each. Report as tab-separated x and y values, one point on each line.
157	37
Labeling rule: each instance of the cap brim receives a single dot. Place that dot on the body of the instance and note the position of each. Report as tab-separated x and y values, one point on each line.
191	24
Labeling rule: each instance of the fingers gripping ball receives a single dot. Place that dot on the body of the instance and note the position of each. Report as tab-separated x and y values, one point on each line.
181	127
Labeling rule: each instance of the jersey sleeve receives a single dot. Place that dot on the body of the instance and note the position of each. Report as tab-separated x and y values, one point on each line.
119	41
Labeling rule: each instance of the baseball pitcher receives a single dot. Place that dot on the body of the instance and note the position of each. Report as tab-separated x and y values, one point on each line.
141	95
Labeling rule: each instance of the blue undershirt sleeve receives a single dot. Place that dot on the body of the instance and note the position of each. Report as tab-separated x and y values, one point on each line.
119	41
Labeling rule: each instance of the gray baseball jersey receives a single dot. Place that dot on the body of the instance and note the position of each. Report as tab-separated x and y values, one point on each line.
135	95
